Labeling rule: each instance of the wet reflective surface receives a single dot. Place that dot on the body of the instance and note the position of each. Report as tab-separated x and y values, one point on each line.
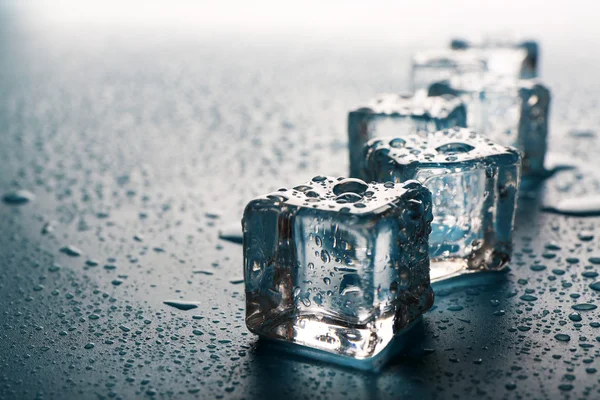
137	151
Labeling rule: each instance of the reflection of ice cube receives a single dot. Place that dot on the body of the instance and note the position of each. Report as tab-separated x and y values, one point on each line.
520	58
511	112
474	184
397	115
337	264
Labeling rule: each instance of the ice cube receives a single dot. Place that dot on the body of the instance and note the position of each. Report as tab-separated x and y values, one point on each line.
474	184
510	112
435	65
505	54
398	114
337	264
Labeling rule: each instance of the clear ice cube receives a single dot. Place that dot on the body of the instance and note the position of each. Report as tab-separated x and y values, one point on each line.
398	114
474	184
505	54
436	65
337	264
510	112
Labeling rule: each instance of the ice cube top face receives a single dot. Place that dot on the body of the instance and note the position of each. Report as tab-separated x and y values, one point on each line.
398	114
510	112
525	64
337	264
474	184
435	65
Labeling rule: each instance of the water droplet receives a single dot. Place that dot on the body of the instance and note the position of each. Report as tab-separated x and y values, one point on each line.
585	236
18	197
89	346
584	307
582	133
565	387
348	198
595	286
562	337
71	251
182	304
454	148
325	256
47	228
575	317
397	143
528	297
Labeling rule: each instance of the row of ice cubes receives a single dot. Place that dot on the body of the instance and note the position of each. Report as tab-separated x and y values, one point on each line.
342	265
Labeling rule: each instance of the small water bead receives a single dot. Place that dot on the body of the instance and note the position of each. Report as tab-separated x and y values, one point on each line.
318	240
565	387
528	297
71	251
595	286
584	307
575	317
181	304
589	274
455	308
562	337
319	178
538	267
302	188
18	197
397	143
454	148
